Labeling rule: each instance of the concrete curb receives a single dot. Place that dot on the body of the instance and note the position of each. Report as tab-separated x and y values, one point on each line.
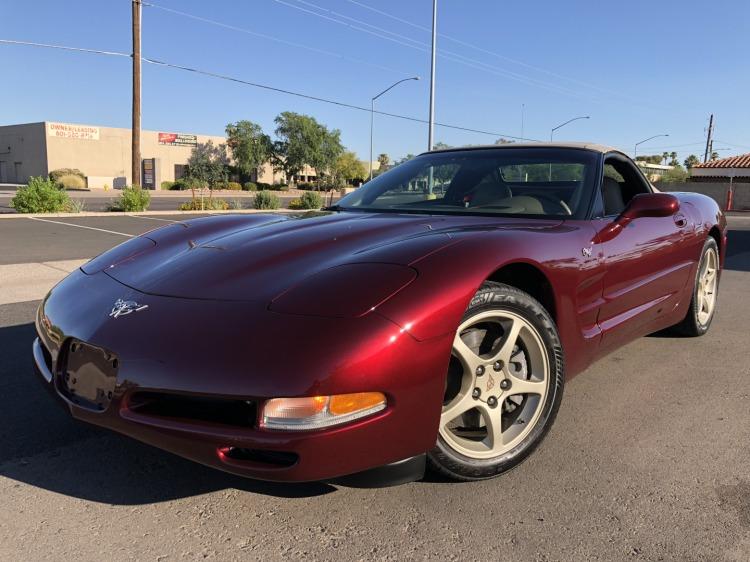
146	213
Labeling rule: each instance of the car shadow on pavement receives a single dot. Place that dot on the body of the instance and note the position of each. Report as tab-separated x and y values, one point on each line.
41	445
738	250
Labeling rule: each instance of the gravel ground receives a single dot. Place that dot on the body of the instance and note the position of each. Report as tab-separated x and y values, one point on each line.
648	460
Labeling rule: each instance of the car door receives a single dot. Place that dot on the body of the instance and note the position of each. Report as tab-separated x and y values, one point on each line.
647	264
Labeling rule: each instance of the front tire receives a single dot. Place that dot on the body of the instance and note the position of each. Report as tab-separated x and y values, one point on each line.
700	314
504	385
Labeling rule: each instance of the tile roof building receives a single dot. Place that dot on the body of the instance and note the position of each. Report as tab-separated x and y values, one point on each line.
734	168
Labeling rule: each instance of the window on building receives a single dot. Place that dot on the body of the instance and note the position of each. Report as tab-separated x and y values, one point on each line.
179	171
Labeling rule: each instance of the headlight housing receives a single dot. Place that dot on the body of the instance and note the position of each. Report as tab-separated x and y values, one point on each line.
316	412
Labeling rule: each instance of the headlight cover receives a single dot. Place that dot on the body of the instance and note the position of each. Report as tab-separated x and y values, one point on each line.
344	291
317	412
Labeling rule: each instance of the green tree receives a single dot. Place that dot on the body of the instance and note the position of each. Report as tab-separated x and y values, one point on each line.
502	140
673	159
404	159
208	166
305	142
678	174
691	161
348	167
250	147
384	160
714	156
664	156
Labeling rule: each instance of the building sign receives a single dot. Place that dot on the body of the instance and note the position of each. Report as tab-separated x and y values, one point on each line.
66	131
178	139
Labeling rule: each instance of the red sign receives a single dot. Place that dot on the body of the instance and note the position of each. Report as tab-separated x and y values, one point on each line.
178	139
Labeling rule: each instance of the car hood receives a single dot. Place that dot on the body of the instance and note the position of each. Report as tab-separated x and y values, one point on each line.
256	257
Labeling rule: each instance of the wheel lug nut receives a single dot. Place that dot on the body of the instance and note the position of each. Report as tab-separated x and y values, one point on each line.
492	401
476	393
498	366
505	384
480	370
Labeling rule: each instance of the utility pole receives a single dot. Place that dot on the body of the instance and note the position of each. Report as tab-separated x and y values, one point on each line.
431	132
136	126
708	138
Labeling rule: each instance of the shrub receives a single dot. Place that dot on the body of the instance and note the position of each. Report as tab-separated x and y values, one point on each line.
250	186
55	175
40	196
296	204
236	204
306	185
204	205
311	200
75	206
132	200
262	186
71	181
181	185
167	185
267	200
233	186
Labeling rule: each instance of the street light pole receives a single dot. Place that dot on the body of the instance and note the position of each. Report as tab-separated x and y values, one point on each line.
372	111
635	148
552	132
431	130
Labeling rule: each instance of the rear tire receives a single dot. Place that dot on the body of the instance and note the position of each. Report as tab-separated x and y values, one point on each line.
504	385
705	294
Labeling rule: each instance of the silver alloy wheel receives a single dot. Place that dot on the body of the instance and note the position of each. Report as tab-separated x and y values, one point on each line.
504	373
707	283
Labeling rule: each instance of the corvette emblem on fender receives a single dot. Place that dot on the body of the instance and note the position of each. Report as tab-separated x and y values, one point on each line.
123	308
490	383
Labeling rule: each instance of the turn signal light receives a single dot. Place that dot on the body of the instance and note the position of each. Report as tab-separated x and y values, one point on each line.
316	412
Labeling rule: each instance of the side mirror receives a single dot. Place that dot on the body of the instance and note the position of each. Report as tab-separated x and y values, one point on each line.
651	205
642	205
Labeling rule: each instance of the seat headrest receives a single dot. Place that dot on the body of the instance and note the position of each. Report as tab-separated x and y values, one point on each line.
612	197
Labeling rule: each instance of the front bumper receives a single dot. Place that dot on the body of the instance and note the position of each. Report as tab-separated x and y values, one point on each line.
234	353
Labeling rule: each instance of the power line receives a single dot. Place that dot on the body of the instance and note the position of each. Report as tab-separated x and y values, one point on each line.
270	37
64	48
492	53
458	58
264	87
424	47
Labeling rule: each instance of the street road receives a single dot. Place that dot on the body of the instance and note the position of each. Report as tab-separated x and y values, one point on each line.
649	459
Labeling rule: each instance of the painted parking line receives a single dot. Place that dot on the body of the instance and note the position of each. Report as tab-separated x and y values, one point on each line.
82	226
22	282
152	218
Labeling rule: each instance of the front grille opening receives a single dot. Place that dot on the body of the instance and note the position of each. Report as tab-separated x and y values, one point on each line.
224	411
277	458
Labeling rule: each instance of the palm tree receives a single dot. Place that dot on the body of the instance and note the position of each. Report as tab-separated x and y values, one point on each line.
664	156
673	159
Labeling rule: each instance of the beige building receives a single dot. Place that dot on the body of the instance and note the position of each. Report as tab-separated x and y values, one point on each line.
103	154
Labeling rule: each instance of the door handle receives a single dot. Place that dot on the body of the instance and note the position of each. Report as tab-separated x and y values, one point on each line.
680	221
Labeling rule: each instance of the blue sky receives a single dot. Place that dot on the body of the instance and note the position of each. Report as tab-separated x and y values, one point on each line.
638	68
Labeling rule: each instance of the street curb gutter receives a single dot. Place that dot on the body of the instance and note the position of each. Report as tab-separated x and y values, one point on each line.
147	213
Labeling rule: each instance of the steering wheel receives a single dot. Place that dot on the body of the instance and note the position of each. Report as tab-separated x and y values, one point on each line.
559	202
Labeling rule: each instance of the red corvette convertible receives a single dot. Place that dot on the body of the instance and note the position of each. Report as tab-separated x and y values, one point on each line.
431	318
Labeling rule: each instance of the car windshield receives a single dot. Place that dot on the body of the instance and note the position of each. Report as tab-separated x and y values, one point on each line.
534	182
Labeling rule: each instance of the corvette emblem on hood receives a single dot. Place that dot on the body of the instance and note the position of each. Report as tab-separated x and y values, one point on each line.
123	308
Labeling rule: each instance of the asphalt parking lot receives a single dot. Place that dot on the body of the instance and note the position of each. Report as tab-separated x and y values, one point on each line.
649	458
